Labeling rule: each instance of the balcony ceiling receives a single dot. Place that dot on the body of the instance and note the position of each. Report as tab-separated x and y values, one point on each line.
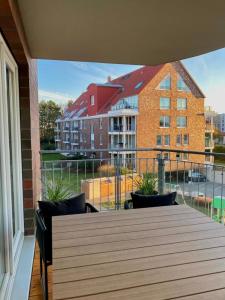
123	31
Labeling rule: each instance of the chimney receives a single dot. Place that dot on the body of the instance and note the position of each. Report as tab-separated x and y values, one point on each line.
109	78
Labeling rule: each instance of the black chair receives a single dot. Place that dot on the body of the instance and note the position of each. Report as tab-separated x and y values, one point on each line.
44	239
142	201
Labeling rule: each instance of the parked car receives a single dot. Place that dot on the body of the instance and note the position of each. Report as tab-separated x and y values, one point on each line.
197	177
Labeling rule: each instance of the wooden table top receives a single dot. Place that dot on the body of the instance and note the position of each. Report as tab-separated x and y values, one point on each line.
172	252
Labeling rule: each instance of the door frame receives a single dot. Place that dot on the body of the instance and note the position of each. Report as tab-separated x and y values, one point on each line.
13	245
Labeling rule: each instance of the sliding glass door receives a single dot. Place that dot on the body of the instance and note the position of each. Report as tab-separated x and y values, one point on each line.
11	197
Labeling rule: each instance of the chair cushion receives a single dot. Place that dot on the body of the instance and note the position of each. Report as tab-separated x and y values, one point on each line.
75	205
142	201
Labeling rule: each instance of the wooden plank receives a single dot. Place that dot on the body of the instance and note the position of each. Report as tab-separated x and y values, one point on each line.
100	258
167	290
130	222
138	264
139	278
138	243
82	241
59	221
213	295
129	228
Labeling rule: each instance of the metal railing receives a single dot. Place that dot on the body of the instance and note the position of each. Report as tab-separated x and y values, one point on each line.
108	182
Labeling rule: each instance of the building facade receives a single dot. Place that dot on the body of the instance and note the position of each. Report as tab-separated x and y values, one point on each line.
150	107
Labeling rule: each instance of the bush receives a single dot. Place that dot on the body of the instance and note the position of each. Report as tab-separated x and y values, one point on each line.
47	146
106	170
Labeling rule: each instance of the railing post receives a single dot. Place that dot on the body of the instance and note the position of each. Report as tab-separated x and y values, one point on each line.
117	183
161	175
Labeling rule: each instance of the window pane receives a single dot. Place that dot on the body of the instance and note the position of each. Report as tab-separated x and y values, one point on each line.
159	140
181	121
178	139
165	84
164	103
167	140
11	147
167	121
181	103
186	139
181	85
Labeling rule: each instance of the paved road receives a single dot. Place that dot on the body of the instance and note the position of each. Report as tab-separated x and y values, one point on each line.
207	188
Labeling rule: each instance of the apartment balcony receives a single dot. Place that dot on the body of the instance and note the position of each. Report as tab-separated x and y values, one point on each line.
108	185
209	128
66	128
209	144
57	138
56	129
66	140
75	129
115	129
113	147
74	141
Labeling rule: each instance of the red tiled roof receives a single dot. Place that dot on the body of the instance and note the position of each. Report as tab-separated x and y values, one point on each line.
128	82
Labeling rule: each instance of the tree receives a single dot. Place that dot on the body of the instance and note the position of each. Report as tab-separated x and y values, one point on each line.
49	111
69	103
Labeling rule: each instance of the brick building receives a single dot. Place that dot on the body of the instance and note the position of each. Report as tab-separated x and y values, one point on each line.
158	106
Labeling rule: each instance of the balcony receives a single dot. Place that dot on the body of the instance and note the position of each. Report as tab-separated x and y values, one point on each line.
57	138
66	140
107	185
75	128
66	128
209	128
122	129
209	144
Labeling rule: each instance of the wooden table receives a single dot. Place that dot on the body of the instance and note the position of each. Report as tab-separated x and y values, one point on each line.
172	252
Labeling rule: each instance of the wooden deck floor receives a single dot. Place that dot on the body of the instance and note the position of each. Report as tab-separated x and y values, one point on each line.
35	287
157	253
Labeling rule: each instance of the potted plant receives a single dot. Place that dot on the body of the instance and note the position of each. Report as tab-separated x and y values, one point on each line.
147	195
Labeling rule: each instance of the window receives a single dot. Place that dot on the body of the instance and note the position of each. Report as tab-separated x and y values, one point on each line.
126	103
164	121
81	124
92	100
186	139
181	85
166	156
185	156
164	103
137	86
101	139
178	139
81	138
178	156
181	104
159	140
100	123
167	140
92	128
181	122
165	84
11	195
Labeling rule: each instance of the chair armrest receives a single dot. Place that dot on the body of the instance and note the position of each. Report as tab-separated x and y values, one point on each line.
90	208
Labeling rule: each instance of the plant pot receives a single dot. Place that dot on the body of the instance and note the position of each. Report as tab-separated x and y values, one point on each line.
142	201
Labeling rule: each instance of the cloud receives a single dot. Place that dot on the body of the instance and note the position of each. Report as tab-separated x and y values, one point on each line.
97	72
59	98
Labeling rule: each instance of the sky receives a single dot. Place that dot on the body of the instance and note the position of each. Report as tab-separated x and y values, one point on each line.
64	80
